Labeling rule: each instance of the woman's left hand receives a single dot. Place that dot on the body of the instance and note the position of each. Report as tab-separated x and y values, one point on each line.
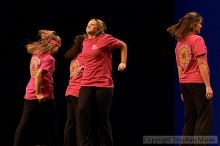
121	66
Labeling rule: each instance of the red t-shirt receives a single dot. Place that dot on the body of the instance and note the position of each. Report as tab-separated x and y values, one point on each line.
98	60
186	53
44	62
76	71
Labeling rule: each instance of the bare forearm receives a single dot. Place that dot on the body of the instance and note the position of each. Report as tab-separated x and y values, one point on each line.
204	70
122	65
180	70
124	53
205	74
38	82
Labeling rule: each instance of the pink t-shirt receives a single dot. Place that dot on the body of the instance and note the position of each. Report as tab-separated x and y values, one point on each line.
76	72
44	62
98	61
186	53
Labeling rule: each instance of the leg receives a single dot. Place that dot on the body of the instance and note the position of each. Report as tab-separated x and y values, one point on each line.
103	103
84	115
49	114
204	112
189	112
70	131
23	124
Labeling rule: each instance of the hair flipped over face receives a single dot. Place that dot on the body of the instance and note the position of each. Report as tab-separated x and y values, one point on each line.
185	25
48	39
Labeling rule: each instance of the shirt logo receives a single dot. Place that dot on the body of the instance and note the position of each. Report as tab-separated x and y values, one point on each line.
75	68
184	55
94	47
34	66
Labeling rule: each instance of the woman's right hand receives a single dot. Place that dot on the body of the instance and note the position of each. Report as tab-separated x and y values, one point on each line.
40	97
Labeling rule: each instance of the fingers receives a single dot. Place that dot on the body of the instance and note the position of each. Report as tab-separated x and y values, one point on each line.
182	97
121	66
209	92
209	95
42	100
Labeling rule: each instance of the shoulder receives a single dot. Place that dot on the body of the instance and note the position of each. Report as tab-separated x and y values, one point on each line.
105	36
195	37
47	58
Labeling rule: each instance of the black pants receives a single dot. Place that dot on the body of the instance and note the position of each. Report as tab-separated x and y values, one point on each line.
45	112
71	131
93	113
197	110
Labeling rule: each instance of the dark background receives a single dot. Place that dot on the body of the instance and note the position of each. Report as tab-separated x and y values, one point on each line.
143	102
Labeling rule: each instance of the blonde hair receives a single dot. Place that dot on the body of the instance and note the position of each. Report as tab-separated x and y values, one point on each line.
44	44
100	25
185	25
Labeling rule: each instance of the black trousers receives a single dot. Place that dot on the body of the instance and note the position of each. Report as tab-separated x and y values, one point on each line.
197	110
93	113
46	117
71	131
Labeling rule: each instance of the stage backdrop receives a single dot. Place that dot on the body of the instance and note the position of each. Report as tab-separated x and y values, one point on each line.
210	31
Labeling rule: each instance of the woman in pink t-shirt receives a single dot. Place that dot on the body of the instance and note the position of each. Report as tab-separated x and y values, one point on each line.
193	71
71	131
96	90
39	96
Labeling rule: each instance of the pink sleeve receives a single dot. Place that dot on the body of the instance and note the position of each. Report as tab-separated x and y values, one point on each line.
47	64
199	47
113	42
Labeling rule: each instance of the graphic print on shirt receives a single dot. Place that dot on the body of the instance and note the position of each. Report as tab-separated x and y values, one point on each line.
34	66
94	47
75	68
184	55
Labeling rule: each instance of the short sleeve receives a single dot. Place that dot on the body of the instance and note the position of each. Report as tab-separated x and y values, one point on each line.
199	47
48	64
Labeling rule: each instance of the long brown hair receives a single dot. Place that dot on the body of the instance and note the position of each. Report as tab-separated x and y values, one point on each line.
45	42
185	25
76	47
